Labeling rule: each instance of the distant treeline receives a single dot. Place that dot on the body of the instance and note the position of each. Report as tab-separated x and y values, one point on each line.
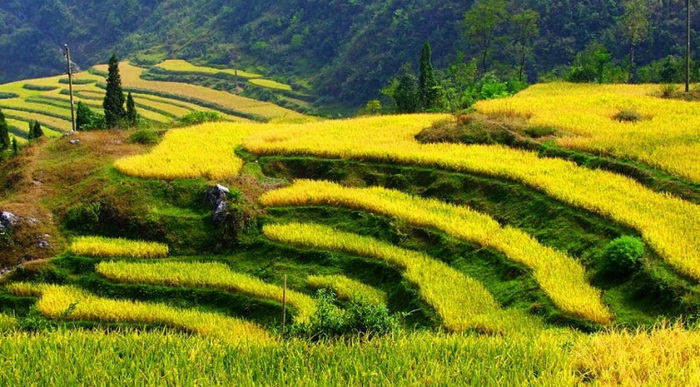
349	49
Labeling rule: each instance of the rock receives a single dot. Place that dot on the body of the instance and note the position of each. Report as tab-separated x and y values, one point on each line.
33	220
74	141
8	221
43	244
216	198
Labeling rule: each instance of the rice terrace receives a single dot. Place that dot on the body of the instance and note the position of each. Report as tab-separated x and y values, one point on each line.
230	213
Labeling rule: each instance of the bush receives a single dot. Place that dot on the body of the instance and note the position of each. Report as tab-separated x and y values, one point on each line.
540	131
144	136
195	118
331	321
627	115
668	90
624	254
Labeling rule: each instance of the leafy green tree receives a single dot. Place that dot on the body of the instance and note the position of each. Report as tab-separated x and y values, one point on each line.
429	88
525	32
132	117
481	24
635	28
4	133
407	94
113	103
86	119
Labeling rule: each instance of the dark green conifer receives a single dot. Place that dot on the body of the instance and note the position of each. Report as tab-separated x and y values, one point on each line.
15	146
113	104
132	116
36	130
4	133
429	90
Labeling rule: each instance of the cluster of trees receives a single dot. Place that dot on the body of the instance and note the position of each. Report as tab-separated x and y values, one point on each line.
6	143
119	110
348	49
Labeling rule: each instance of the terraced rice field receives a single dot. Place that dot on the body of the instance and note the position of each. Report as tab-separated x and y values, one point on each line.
461	302
68	303
348	289
209	275
131	78
46	100
665	135
116	247
668	224
560	276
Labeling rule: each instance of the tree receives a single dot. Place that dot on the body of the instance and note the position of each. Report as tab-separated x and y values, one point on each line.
113	103
86	119
525	32
15	146
429	89
132	117
635	28
35	130
407	94
4	133
481	23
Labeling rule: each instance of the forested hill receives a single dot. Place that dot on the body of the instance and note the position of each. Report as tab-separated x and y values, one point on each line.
346	48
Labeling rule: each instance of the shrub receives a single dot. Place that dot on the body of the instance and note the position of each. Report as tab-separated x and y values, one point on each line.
627	115
332	321
145	136
540	131
623	255
668	90
196	118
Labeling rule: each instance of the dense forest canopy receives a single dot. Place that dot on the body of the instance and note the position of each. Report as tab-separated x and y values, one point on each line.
348	49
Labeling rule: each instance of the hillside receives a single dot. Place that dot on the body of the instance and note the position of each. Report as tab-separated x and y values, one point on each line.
519	241
159	102
347	50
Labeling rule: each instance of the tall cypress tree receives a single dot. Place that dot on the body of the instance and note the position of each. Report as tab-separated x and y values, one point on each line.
30	133
132	116
429	91
114	97
4	133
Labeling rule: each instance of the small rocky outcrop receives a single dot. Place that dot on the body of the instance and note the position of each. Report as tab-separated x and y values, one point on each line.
8	221
216	199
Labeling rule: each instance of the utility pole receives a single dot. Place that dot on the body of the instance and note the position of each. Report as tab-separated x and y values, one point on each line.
687	48
284	306
70	86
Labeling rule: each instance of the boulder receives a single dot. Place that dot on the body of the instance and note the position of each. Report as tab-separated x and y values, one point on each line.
8	221
216	199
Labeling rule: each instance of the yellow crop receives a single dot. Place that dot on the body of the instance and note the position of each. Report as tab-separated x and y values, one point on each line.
205	150
271	84
70	303
461	302
184	66
131	77
560	276
666	355
209	275
667	136
7	322
670	225
348	289
117	247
